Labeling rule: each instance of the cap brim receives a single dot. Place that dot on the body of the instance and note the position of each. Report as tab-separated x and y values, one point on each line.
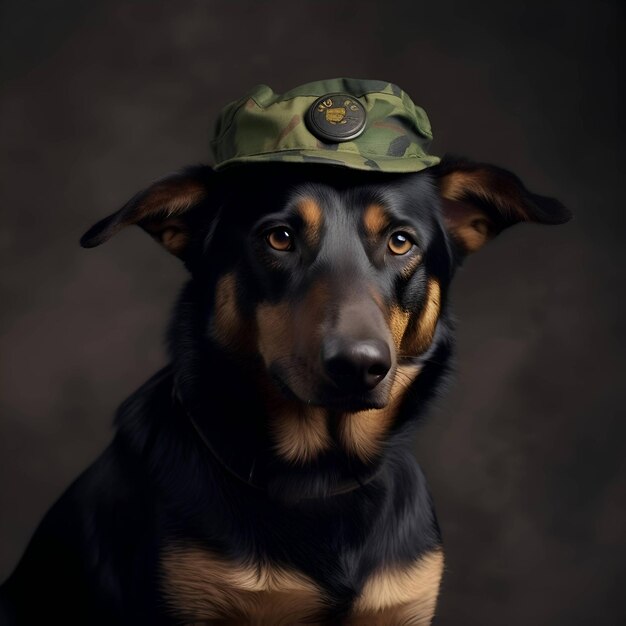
352	160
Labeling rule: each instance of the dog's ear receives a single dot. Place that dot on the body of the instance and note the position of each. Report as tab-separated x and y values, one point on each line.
165	210
479	201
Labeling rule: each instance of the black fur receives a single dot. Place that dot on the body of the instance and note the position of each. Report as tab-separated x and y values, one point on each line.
94	558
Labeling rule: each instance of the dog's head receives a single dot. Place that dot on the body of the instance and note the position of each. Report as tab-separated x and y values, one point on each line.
324	288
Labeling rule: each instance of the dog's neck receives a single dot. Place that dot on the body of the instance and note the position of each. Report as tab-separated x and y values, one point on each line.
230	414
256	479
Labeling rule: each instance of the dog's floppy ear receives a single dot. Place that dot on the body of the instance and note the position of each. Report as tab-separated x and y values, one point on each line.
164	210
479	201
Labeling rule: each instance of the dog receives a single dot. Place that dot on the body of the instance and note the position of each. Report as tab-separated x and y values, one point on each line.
265	475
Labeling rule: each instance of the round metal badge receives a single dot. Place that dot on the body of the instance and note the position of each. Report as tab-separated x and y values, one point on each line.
337	117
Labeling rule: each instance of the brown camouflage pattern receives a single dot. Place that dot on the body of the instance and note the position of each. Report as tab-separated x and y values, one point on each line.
265	126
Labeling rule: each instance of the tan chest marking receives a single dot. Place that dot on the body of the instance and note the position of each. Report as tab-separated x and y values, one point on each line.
200	585
401	596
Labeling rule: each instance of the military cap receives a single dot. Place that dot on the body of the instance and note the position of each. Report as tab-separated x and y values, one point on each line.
361	124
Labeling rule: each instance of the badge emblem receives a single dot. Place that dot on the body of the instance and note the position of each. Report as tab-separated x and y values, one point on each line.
337	117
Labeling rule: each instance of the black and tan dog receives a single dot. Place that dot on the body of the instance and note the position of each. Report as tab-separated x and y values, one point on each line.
266	476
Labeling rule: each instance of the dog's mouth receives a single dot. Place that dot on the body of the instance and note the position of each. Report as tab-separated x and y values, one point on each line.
325	396
313	421
351	403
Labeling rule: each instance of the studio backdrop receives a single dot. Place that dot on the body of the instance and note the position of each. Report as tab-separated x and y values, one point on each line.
525	452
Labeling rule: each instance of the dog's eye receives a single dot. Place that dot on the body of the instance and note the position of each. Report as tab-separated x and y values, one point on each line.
280	239
400	243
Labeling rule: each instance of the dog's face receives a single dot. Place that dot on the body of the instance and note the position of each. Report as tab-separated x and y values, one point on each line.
331	277
328	286
331	284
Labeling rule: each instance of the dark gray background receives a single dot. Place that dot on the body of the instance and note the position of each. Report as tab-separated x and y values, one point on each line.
525	455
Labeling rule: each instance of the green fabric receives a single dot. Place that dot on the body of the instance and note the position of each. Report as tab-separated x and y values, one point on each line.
265	126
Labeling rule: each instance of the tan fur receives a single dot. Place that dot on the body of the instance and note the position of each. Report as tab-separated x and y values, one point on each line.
228	327
468	223
200	585
400	596
362	433
419	334
300	432
281	325
311	214
171	233
411	266
456	185
158	212
397	318
474	235
174	240
398	321
170	197
506	196
375	219
275	331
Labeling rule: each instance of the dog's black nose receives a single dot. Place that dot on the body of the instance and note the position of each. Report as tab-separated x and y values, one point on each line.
355	366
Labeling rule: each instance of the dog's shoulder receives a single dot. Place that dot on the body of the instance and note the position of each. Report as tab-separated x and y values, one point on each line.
94	544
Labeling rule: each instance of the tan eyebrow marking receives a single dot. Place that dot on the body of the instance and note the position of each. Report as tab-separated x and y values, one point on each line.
375	219
312	216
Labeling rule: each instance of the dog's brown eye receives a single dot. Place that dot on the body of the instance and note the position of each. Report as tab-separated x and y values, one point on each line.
280	239
400	243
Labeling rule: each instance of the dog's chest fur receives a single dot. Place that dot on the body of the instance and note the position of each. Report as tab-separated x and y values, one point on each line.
201	586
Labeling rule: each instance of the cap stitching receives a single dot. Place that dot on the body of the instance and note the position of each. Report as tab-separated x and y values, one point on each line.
330	153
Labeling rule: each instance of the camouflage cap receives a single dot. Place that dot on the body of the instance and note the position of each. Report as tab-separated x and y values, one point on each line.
361	124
